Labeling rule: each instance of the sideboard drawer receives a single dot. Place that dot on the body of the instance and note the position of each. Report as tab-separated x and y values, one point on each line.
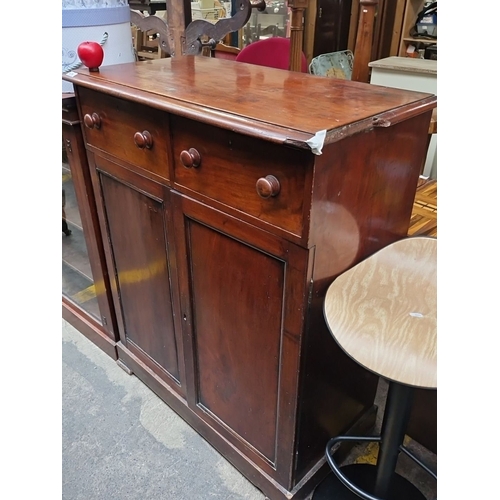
264	180
127	130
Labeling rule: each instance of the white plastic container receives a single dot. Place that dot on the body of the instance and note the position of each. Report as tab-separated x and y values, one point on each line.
104	21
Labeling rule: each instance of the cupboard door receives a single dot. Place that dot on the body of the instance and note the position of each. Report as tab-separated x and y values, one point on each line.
242	294
134	214
331	29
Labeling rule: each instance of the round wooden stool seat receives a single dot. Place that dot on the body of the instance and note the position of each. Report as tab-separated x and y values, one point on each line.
382	313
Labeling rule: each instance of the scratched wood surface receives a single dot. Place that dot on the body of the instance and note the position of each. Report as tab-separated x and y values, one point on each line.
423	220
256	97
382	312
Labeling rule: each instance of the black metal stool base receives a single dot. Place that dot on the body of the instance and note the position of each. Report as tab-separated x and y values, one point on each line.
363	475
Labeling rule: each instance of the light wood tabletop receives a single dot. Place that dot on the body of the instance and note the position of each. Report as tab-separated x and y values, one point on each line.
382	312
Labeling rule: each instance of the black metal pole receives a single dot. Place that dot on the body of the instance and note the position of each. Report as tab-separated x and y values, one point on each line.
396	416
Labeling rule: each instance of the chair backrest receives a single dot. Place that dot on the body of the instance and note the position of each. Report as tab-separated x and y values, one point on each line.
333	64
271	52
223	51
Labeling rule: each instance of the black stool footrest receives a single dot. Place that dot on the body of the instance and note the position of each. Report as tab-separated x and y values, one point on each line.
364	475
360	493
409	454
359	479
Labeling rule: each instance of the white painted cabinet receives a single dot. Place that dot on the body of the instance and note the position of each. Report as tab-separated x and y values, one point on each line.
410	74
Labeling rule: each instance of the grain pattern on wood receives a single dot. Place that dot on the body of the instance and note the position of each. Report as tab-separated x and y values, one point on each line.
364	40
256	100
382	312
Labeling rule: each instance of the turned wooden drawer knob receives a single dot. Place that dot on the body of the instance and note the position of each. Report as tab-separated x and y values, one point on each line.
143	140
268	186
92	121
190	158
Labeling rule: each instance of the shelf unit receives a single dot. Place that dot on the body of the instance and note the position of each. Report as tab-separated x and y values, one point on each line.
410	13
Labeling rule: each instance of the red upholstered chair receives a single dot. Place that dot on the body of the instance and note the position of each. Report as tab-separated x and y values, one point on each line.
271	52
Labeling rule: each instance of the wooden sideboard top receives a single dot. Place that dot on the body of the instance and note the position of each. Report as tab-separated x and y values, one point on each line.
276	105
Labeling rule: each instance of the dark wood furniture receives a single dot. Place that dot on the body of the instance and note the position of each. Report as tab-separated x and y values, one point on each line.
223	230
86	297
327	26
364	40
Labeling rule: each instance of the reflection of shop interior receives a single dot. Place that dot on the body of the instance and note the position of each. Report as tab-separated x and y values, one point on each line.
77	281
271	22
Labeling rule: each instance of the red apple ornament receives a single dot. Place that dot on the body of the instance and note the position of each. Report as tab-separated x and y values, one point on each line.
91	54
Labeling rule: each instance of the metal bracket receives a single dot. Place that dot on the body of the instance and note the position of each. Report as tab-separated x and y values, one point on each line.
155	23
217	31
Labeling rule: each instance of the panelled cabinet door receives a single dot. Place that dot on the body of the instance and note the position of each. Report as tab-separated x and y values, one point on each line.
242	293
134	214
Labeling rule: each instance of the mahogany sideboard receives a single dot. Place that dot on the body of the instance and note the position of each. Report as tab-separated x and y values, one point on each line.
229	196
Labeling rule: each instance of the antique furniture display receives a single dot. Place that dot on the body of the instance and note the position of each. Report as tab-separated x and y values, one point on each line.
225	216
383	314
201	33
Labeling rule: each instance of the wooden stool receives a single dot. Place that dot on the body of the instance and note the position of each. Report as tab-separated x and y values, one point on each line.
382	313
